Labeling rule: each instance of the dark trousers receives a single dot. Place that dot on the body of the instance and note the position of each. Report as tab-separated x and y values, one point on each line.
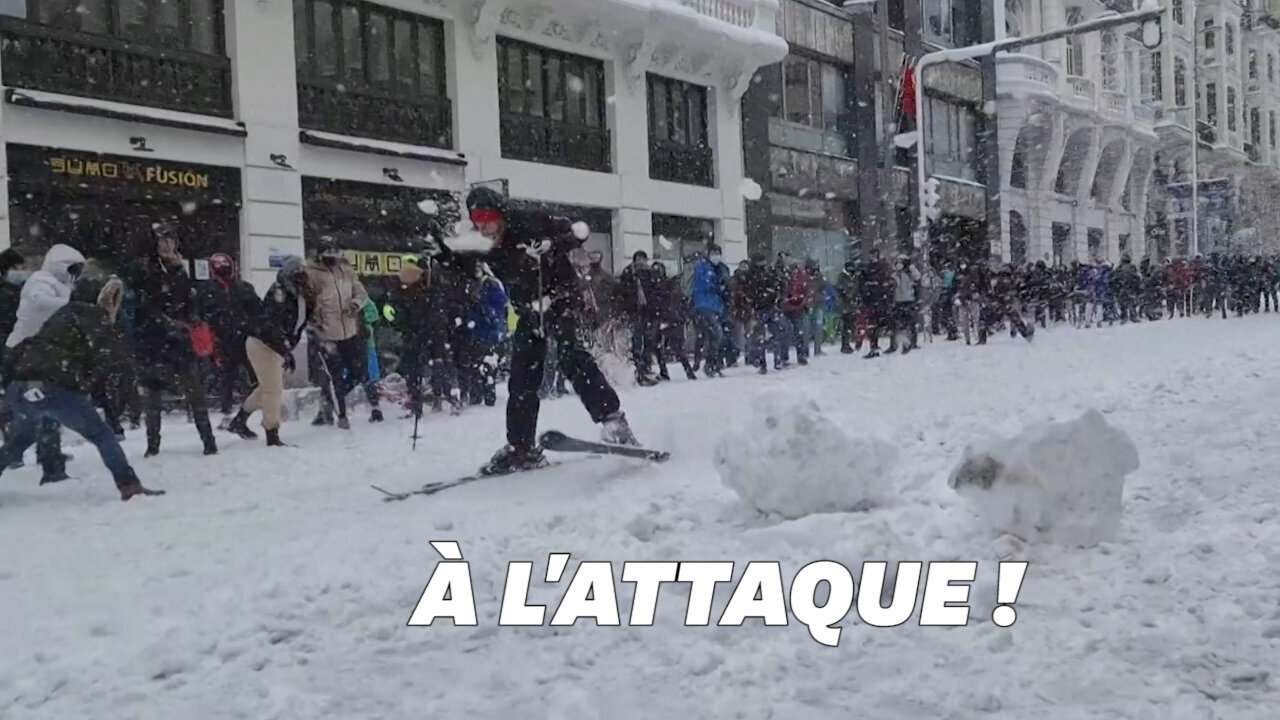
187	380
34	405
433	363
348	364
528	361
710	338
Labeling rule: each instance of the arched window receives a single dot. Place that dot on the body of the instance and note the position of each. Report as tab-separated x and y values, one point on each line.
1177	12
1230	34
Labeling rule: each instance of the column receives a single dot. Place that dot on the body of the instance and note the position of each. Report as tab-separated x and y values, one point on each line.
473	81
260	43
726	138
629	119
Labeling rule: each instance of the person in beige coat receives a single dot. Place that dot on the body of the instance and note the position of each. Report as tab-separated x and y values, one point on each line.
338	339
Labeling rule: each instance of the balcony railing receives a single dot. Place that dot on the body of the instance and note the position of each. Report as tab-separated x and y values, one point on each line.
35	57
735	12
1025	73
1144	114
677	162
554	142
1082	92
369	113
1115	104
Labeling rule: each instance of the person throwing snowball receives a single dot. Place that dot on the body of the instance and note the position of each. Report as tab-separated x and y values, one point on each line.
529	253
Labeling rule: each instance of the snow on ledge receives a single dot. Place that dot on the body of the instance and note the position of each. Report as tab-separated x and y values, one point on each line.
121	111
394	148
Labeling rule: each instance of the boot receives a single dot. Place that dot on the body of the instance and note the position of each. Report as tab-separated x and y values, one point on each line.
512	459
846	349
376	416
240	426
153	448
324	417
616	431
211	445
273	437
689	373
129	485
343	423
644	379
54	476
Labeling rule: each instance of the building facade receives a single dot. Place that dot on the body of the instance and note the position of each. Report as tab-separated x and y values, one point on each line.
1077	137
260	126
1219	58
819	129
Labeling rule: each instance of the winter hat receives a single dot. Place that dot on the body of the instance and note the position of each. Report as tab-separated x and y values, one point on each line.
291	267
484	204
327	246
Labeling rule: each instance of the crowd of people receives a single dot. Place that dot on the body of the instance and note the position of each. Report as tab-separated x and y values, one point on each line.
88	347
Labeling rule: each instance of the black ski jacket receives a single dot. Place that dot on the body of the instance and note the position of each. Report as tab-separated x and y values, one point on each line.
279	319
77	349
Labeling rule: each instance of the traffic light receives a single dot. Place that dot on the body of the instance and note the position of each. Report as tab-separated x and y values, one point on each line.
931	199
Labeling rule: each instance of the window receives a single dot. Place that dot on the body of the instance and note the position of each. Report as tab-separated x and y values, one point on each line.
1177	12
1075	46
371	71
194	25
1271	67
1255	126
553	107
1253	65
1156	80
1179	82
951	23
1229	34
679	148
1211	103
1231	109
952	138
813	93
1271	128
1209	42
1110	62
362	46
896	14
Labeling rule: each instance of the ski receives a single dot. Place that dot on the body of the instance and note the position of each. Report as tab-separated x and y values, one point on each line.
557	441
434	487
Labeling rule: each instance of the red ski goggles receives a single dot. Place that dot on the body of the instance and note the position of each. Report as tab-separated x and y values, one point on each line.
481	217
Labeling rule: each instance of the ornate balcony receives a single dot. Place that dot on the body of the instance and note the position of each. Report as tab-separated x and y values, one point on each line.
34	57
553	142
677	162
364	112
1115	106
1081	93
1021	75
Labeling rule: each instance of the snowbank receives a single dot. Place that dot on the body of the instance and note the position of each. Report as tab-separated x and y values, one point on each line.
1060	482
789	458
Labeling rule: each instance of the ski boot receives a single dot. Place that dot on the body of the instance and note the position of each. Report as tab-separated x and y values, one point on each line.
512	459
616	431
129	486
239	425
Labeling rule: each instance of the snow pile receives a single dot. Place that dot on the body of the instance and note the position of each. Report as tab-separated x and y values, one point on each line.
1060	482
789	458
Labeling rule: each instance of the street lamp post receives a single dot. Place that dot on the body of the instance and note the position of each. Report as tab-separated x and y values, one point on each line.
1149	16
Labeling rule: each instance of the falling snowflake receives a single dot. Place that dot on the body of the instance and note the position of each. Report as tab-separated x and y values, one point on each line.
189	207
831	196
575	84
664	242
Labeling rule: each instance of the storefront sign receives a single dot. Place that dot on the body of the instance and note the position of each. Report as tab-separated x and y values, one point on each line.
129	172
374	263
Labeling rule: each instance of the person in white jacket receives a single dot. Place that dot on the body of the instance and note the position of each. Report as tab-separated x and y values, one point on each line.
47	290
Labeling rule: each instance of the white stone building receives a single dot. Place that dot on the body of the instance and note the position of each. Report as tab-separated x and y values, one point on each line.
1077	142
262	124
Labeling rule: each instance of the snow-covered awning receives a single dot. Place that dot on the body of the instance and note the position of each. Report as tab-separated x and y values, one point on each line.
124	111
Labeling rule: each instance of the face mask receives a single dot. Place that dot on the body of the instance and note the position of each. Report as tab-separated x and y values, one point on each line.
223	271
715	259
17	277
329	261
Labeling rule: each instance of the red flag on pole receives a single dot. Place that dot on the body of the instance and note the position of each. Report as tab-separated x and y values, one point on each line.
909	91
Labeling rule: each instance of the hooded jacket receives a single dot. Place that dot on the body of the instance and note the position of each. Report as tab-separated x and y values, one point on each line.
339	300
44	292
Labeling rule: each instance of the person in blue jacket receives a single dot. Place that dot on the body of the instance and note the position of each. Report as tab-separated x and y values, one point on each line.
708	294
486	331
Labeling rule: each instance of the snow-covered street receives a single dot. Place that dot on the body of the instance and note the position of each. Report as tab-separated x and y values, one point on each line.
277	584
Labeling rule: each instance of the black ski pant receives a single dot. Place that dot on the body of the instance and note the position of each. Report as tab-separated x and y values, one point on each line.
347	362
187	380
528	362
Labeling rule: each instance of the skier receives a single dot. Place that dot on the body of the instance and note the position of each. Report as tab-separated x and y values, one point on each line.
53	373
274	331
530	255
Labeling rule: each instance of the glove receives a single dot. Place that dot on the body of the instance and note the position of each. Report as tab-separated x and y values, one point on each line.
538	248
290	364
